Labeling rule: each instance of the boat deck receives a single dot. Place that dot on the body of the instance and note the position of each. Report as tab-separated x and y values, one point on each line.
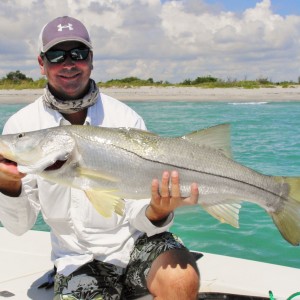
25	264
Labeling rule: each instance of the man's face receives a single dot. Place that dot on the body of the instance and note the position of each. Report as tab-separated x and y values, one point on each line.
67	80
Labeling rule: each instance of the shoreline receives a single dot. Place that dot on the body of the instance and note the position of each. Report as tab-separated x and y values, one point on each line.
195	94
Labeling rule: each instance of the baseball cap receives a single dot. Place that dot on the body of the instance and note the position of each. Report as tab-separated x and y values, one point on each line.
63	29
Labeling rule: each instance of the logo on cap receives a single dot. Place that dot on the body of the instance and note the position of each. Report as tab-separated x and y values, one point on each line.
61	27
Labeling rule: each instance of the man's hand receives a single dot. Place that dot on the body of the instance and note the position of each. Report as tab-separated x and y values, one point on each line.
164	202
10	177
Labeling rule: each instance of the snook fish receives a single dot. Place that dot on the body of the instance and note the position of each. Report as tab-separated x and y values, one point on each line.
111	164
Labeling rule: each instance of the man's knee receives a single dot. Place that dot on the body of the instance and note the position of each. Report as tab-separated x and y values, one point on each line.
174	272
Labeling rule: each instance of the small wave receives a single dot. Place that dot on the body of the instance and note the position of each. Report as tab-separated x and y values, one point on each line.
248	103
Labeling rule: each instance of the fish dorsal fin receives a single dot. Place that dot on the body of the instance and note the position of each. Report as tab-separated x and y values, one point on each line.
106	202
217	137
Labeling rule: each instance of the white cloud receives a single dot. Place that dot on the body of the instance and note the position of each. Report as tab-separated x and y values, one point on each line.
170	40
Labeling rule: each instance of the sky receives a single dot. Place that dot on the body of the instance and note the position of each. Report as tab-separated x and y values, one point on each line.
162	39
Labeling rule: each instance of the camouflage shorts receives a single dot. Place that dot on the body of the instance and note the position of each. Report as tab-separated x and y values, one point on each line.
97	280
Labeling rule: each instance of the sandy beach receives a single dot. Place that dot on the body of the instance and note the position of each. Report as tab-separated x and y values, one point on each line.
275	94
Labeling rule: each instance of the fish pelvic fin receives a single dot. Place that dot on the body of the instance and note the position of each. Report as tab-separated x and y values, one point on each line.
287	219
225	212
106	202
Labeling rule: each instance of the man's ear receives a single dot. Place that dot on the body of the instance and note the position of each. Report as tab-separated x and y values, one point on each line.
92	65
41	63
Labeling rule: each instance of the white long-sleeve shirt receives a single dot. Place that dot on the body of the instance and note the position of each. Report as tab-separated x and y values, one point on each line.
78	233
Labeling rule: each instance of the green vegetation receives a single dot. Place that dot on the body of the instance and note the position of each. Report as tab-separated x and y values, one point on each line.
202	82
132	82
18	80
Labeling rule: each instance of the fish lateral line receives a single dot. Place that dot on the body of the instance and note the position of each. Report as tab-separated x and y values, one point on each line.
173	166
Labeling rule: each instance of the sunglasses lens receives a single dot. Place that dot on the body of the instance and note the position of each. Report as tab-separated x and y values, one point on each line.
79	54
56	56
59	56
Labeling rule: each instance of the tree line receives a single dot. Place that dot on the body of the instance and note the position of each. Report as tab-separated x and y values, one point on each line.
18	80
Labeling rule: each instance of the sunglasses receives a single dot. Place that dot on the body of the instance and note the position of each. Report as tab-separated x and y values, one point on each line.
59	56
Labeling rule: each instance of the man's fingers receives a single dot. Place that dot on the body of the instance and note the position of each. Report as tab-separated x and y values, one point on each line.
175	185
163	194
165	185
193	199
155	189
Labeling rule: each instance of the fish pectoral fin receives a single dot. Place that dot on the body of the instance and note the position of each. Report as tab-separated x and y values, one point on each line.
216	137
225	212
95	174
106	202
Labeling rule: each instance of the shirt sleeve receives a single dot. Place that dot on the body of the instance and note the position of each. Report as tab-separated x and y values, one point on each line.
136	212
140	124
18	214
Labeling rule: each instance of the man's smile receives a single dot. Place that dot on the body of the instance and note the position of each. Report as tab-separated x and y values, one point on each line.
70	76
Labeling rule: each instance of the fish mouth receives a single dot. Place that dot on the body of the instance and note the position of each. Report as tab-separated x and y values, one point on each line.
10	166
57	165
8	162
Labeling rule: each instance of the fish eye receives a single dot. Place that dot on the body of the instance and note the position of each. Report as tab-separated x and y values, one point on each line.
21	135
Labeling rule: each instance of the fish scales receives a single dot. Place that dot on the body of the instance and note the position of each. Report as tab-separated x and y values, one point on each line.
125	151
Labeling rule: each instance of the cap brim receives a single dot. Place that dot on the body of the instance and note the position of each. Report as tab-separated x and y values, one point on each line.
45	48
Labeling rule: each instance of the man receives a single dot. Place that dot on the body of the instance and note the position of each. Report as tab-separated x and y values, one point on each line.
96	258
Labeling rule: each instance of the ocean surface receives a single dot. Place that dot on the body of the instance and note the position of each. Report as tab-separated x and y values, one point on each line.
264	136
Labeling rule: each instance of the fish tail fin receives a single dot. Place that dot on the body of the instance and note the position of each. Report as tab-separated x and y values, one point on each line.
287	219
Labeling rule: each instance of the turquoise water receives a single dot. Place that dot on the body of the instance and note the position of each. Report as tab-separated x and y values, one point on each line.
265	137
